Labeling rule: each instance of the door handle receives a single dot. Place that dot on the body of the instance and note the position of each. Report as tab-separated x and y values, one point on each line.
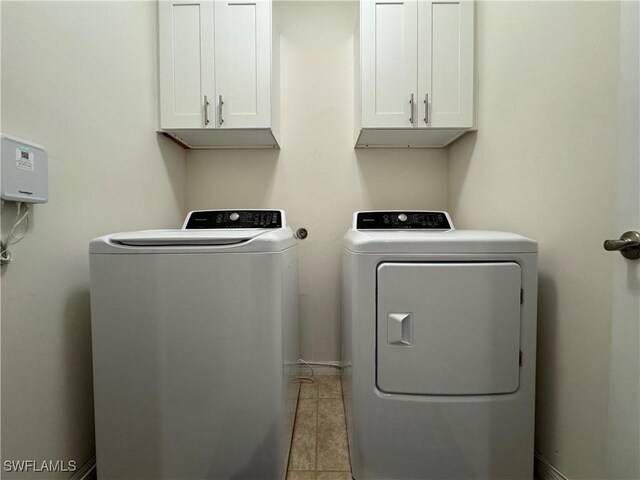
220	104
399	331
426	108
411	109
628	245
206	110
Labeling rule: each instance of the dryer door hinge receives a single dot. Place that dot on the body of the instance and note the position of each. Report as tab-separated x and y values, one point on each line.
521	296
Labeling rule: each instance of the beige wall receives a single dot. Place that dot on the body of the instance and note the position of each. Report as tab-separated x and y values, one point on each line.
79	78
540	164
317	177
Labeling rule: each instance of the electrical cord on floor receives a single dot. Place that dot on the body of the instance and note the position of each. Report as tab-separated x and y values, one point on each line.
309	378
12	238
550	471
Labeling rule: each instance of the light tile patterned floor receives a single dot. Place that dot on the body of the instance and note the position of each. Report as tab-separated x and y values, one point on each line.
319	450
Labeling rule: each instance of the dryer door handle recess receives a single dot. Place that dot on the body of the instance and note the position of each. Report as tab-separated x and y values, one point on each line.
399	329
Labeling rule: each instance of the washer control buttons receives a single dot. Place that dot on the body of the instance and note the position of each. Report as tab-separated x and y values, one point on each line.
234	219
402	217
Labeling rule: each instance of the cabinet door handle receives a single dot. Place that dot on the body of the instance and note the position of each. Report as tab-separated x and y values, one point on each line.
220	104
426	108
411	109
206	110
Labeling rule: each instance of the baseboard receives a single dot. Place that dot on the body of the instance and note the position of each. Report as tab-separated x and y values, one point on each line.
87	471
325	370
545	471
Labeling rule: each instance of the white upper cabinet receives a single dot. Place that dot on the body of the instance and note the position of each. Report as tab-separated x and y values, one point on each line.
186	62
243	63
389	67
416	72
445	63
216	83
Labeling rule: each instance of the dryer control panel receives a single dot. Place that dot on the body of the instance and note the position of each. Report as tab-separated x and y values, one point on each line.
402	220
217	219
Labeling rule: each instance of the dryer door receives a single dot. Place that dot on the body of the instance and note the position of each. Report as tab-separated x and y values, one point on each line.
448	328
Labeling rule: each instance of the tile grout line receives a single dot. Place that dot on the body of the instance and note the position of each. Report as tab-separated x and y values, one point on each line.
293	432
315	466
315	395
344	411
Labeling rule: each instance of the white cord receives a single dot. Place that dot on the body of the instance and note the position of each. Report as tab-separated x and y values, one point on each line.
550	471
12	238
307	378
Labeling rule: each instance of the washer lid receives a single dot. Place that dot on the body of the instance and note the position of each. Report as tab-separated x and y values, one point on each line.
195	241
434	241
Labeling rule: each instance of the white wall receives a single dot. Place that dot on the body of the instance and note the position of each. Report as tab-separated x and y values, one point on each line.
79	78
541	165
317	177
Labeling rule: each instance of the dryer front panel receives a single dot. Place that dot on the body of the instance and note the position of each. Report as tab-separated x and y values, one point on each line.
448	328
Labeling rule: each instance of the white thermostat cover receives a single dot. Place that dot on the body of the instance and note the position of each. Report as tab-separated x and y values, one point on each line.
24	171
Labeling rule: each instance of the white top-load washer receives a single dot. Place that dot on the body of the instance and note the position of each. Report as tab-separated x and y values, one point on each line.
439	329
195	340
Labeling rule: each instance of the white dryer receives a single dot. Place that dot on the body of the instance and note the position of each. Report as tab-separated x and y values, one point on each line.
195	340
439	335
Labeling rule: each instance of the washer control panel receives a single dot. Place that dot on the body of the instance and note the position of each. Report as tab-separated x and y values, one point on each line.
402	220
234	219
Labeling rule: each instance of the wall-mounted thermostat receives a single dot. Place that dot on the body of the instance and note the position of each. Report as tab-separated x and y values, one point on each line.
24	171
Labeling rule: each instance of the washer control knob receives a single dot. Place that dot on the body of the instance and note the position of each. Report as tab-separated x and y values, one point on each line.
402	217
234	217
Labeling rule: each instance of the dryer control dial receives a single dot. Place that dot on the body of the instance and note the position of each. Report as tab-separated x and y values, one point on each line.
402	217
234	217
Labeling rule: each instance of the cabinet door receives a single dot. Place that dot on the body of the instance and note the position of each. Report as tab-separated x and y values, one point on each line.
388	63
186	63
445	63
243	63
